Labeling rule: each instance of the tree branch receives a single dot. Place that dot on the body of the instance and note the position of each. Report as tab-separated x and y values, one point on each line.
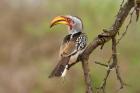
87	76
111	66
106	36
115	60
126	29
102	39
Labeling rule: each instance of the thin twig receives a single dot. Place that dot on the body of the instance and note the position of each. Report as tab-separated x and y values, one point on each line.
110	66
115	60
102	64
119	77
126	29
109	59
103	84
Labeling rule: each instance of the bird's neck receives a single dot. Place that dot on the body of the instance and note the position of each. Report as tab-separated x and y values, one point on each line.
75	34
74	31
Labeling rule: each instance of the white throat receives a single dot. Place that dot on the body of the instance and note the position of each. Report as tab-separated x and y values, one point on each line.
73	31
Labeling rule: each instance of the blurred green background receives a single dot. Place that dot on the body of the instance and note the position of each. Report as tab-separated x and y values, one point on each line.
29	48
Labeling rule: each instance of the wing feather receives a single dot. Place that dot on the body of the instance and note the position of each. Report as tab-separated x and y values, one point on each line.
67	47
70	45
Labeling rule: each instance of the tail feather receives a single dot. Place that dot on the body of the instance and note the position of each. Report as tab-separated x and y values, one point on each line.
60	68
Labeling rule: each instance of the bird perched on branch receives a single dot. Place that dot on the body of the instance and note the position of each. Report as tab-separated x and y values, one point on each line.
72	45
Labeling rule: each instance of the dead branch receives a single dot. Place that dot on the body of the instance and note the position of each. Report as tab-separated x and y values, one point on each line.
102	64
114	64
126	29
102	39
115	60
87	76
103	84
106	36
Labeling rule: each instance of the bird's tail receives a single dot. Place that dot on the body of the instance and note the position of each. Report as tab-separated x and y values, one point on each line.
61	68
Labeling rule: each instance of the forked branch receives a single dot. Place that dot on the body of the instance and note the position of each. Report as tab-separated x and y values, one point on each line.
101	39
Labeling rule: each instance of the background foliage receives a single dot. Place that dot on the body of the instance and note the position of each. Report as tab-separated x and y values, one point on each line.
29	48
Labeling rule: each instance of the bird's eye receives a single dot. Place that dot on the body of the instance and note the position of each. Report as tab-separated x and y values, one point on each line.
70	21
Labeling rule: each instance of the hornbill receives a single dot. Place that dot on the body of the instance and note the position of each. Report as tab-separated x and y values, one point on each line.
72	45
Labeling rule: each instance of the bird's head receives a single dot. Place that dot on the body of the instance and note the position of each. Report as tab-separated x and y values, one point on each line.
74	23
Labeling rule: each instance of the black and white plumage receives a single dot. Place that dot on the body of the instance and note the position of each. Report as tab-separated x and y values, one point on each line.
72	46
